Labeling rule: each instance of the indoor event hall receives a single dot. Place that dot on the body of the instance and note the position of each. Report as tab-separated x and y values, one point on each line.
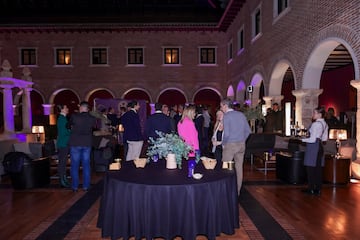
274	60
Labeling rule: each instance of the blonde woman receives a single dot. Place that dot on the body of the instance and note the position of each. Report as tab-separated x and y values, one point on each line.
217	136
187	130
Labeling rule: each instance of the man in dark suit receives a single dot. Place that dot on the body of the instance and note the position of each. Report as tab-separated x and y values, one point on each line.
131	123
158	122
112	117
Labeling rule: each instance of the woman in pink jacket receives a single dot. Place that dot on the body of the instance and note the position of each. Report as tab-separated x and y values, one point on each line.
187	130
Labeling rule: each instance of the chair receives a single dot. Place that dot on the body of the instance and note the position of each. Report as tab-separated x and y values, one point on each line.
103	153
258	143
26	172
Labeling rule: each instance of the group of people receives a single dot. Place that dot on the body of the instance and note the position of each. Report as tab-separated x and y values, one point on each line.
230	131
75	136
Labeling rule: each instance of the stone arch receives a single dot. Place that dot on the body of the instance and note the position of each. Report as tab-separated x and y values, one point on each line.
94	91
319	55
139	90
207	96
179	96
324	42
37	100
40	93
207	88
65	96
230	93
140	94
241	91
277	77
257	83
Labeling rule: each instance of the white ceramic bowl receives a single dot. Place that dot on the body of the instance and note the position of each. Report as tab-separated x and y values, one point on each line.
197	175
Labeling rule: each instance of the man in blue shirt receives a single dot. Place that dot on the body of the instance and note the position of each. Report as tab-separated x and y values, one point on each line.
236	131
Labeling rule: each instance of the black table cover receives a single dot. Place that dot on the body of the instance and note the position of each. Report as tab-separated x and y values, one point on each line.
158	202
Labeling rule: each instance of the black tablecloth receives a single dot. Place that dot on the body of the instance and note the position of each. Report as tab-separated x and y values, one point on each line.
158	202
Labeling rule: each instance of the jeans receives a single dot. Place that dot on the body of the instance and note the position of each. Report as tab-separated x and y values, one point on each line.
77	155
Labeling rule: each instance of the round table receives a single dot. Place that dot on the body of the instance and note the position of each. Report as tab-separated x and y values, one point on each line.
158	202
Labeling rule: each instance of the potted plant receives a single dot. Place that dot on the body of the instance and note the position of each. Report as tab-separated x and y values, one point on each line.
169	143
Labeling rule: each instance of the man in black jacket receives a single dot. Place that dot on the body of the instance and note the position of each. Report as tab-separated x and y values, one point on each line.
80	142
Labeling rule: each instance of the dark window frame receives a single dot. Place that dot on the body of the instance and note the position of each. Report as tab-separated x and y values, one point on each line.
282	5
174	53
135	56
28	56
61	54
257	23
207	55
99	56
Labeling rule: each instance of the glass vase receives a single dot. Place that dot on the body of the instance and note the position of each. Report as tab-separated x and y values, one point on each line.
191	167
155	158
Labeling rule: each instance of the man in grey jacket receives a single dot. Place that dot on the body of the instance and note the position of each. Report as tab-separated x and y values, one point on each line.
236	131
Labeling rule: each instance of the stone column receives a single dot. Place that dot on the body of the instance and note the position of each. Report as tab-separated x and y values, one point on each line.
9	126
306	101
49	113
48	109
26	110
152	108
356	84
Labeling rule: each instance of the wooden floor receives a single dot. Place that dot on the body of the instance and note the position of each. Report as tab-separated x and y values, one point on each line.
335	214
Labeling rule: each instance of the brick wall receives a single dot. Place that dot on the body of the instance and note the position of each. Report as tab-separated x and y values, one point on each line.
291	38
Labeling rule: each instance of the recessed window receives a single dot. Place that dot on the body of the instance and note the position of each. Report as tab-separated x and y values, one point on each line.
240	37
230	51
63	56
281	7
207	55
28	56
135	56
171	56
99	56
256	23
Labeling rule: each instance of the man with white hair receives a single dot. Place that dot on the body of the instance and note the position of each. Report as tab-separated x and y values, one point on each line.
236	131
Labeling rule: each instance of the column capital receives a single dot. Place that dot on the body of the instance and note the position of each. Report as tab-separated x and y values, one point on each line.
281	97
306	92
27	89
47	108
6	86
355	84
267	98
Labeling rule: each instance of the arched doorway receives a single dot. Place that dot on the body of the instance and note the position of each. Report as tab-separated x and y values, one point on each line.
37	109
67	97
335	81
240	92
208	97
139	94
258	90
324	71
172	97
99	93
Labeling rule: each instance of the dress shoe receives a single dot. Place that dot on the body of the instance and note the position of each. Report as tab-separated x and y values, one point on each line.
307	191
64	182
314	192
